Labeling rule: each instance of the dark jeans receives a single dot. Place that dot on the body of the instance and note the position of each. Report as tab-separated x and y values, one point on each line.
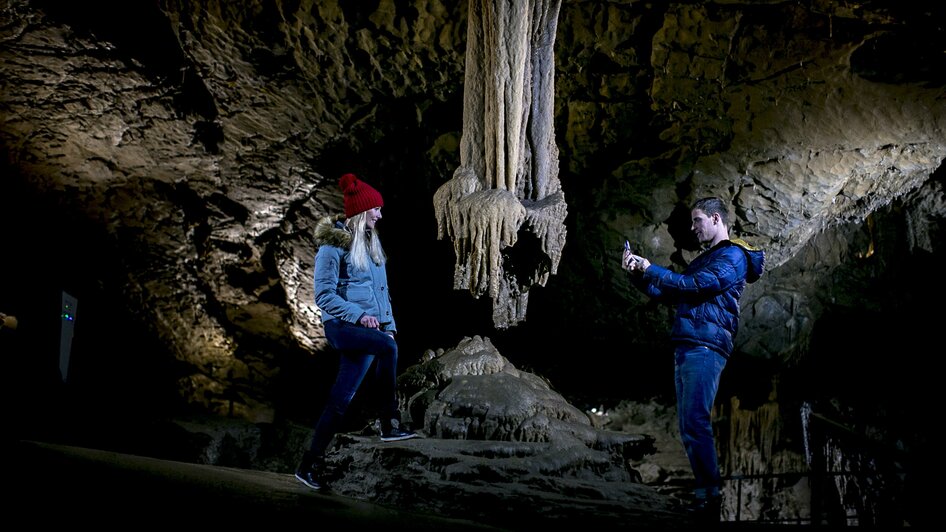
696	372
358	347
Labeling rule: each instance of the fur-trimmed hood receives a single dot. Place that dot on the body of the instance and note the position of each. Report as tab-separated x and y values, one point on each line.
331	231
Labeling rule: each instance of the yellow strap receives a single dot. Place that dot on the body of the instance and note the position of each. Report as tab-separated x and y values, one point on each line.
745	245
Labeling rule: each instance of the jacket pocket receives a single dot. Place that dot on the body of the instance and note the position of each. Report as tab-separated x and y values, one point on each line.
358	293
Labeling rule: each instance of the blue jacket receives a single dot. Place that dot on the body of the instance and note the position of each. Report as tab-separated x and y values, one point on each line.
341	291
706	294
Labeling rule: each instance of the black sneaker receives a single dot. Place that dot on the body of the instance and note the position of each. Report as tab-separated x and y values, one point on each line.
309	478
396	434
393	432
705	510
310	472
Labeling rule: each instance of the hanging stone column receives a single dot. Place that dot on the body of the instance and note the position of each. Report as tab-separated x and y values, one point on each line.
503	208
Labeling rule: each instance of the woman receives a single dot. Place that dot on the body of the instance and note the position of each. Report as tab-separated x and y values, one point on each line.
351	289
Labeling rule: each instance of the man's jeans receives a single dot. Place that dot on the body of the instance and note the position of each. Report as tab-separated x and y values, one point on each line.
358	347
696	374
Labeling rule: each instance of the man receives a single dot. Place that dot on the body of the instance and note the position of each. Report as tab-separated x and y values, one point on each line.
706	296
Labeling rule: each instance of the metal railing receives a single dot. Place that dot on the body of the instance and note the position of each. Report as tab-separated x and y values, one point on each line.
857	495
813	518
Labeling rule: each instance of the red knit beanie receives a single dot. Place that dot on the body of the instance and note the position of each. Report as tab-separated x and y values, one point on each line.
359	196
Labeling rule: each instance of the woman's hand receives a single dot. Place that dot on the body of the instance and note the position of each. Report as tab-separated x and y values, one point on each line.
370	322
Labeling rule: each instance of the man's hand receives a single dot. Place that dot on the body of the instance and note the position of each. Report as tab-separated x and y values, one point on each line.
7	321
634	263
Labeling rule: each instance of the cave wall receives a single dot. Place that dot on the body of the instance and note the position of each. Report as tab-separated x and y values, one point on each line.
193	145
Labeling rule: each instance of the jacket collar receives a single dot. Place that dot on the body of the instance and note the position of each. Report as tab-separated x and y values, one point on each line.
331	231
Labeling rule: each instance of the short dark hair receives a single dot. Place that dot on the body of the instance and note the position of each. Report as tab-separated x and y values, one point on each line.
711	206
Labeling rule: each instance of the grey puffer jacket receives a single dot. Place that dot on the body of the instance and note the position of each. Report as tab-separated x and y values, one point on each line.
341	291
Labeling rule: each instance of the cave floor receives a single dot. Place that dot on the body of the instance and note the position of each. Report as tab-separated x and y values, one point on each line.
62	484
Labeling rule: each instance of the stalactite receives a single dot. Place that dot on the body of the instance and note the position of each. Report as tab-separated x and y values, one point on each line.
759	430
507	181
752	450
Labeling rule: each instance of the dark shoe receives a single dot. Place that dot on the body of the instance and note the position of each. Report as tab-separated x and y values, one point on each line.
705	510
311	471
393	432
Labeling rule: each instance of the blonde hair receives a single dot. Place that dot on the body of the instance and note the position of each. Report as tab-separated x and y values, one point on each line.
365	243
